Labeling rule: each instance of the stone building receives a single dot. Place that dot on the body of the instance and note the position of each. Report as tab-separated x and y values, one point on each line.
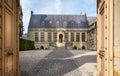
51	31
20	21
92	36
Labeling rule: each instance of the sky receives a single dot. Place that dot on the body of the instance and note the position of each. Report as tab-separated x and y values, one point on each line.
56	7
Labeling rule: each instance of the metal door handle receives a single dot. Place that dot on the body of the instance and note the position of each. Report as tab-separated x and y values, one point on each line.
10	53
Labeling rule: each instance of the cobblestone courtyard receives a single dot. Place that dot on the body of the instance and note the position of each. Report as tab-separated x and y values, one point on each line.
59	62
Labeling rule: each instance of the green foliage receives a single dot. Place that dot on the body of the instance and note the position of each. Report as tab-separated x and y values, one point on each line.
26	44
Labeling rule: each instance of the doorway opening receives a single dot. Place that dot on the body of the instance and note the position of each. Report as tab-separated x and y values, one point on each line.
61	38
74	47
42	47
83	47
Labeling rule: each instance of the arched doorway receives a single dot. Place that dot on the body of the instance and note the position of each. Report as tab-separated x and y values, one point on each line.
83	47
42	47
60	38
74	47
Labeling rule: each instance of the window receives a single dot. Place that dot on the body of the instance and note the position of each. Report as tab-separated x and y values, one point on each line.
36	36
83	37
65	23
55	36
57	23
49	36
43	22
66	37
50	22
42	36
72	37
78	37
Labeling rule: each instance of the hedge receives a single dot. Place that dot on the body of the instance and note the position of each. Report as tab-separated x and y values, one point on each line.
26	44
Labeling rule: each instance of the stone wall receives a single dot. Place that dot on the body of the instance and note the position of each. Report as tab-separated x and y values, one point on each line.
91	42
116	38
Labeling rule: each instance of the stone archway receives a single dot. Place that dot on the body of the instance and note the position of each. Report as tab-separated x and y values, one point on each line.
74	47
42	47
61	38
83	47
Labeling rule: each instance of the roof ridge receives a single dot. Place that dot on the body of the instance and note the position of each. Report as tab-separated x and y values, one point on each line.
61	14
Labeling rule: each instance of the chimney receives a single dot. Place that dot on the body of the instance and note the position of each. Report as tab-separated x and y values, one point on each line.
31	12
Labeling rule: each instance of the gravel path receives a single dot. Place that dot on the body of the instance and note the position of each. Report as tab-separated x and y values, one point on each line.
58	62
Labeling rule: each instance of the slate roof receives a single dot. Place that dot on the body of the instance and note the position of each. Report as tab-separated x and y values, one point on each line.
91	20
58	21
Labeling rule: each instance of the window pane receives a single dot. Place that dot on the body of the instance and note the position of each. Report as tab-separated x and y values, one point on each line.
83	37
36	36
42	36
72	37
78	37
55	36
49	36
66	37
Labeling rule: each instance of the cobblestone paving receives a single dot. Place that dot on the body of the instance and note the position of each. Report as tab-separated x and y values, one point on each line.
59	62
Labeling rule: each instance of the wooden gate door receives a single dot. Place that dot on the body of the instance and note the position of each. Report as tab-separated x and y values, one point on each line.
101	40
9	44
10	37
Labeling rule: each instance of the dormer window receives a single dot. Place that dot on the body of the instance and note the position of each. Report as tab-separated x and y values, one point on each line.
50	22
43	22
57	22
79	22
65	23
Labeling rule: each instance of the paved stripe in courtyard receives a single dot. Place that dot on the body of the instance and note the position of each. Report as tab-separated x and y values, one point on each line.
58	62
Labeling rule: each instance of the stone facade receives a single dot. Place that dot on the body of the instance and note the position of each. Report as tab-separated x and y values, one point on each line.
92	36
72	38
21	21
51	31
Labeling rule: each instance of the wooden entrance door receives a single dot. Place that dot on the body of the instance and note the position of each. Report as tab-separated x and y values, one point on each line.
60	38
9	44
9	35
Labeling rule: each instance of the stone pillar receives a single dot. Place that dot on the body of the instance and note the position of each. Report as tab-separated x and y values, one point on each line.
74	36
64	37
85	36
69	37
39	35
46	36
52	36
80	36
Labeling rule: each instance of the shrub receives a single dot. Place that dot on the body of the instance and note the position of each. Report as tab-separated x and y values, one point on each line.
26	44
